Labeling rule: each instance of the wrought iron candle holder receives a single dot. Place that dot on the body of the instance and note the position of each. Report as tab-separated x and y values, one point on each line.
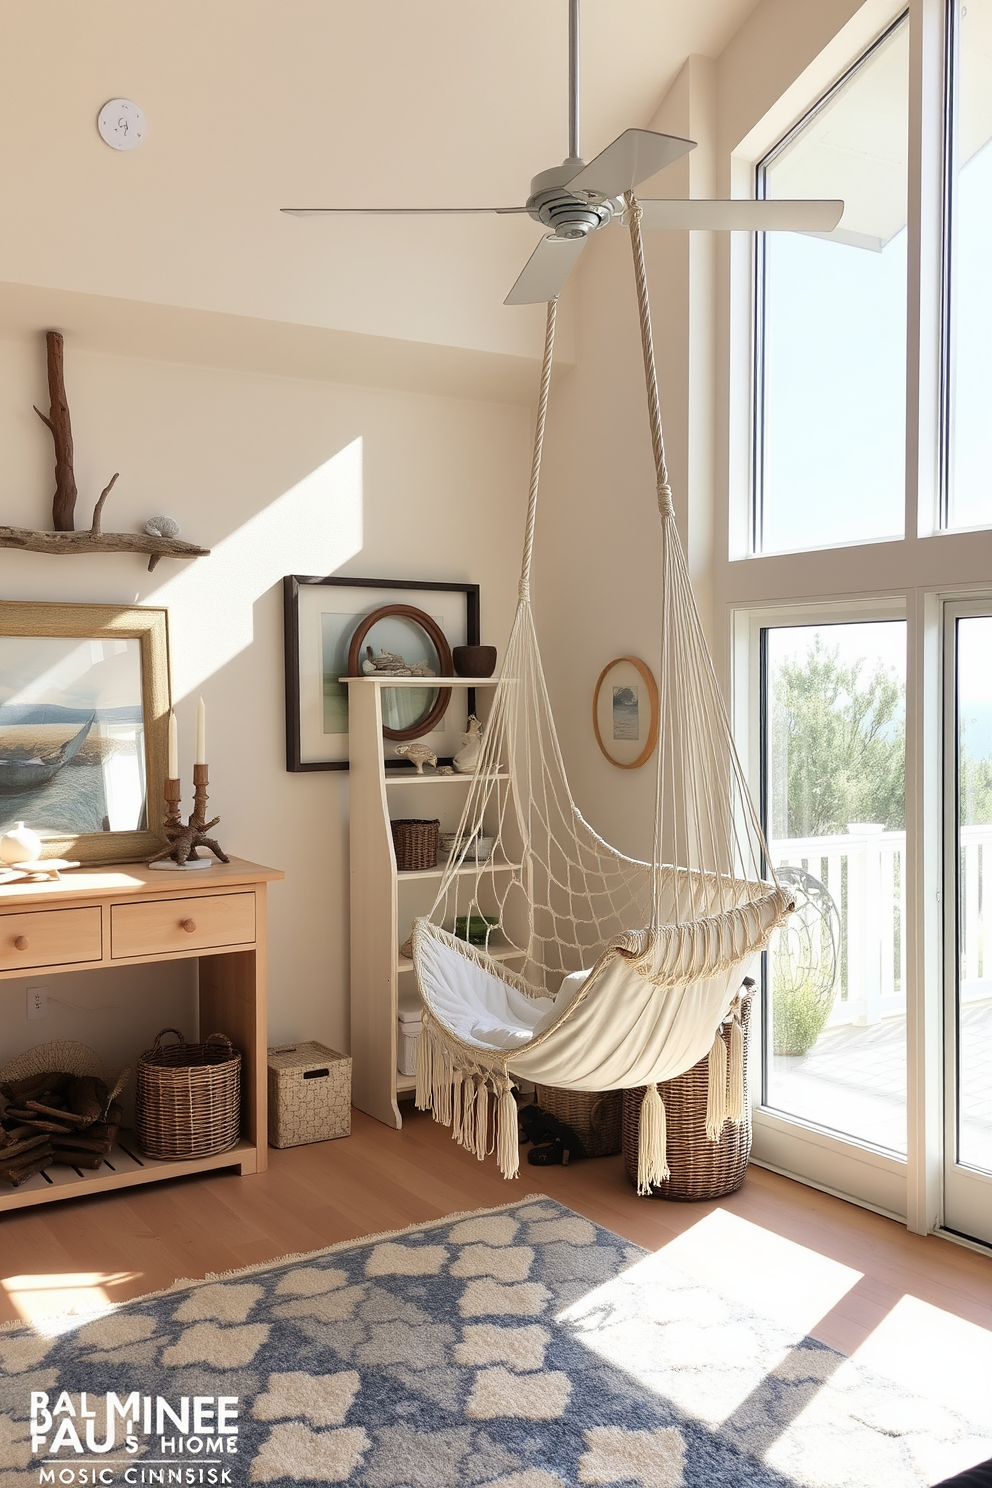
185	839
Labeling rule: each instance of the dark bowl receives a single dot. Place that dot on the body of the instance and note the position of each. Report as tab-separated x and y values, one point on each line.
474	661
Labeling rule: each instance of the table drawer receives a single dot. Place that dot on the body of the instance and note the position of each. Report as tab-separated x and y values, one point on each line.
195	924
50	937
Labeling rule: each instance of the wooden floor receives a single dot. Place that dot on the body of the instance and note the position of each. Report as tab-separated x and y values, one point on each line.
121	1245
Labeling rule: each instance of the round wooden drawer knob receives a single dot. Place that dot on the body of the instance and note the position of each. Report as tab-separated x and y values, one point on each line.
188	925
21	943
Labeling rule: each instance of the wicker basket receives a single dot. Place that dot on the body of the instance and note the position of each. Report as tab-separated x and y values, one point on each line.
187	1102
596	1116
700	1169
415	843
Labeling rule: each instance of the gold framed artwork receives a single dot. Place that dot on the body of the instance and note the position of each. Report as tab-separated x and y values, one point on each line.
625	712
84	707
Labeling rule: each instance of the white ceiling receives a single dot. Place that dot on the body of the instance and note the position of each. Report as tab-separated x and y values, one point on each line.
256	104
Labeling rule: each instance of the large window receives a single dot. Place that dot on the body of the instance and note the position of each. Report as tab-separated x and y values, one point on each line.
831	334
969	328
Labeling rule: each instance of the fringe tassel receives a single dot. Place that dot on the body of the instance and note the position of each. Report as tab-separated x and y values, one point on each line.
507	1134
735	1099
457	1096
425	1097
444	1077
481	1119
467	1135
716	1095
652	1158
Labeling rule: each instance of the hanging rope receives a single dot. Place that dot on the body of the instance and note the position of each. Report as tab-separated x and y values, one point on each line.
647	347
535	471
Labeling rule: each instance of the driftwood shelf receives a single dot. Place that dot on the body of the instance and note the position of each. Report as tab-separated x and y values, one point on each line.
65	540
98	542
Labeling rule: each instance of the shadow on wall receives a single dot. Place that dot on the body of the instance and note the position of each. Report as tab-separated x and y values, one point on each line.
211	604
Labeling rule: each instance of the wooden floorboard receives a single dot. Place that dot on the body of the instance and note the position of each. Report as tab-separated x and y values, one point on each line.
142	1239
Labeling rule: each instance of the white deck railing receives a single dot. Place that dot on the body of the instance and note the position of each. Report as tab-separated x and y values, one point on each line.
864	871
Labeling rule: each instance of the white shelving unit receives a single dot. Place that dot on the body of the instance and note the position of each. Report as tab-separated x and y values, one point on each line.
384	903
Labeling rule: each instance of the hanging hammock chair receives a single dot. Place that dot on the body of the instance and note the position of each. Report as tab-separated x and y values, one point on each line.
603	972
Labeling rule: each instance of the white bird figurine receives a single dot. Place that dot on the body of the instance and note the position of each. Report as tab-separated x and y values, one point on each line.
418	755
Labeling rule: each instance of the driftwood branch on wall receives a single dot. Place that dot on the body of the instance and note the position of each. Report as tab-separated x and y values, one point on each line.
64	502
64	539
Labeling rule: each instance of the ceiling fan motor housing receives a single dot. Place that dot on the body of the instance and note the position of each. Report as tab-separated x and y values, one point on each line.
568	215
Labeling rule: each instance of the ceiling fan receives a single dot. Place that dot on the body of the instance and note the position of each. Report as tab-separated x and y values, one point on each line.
575	200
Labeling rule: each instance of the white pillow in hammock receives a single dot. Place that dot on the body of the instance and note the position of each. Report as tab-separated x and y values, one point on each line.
497	1016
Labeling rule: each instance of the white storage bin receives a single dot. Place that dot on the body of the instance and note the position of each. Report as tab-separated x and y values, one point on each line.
407	1033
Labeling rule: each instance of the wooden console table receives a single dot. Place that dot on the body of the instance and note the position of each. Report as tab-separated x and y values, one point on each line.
130	915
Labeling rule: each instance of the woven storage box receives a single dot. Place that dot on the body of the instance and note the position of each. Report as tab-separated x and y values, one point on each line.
596	1117
415	843
188	1097
700	1169
309	1094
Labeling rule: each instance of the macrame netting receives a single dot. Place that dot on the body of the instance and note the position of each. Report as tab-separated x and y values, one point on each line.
665	943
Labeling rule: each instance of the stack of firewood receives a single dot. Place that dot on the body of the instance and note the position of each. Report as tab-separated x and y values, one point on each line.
55	1118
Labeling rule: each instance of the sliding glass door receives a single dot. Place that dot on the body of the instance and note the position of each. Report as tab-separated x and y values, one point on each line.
968	921
833	765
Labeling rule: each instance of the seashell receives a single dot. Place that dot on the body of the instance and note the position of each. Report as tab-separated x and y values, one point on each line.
162	527
20	845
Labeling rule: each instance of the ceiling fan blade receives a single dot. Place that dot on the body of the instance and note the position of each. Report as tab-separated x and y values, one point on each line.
395	211
545	271
633	157
742	216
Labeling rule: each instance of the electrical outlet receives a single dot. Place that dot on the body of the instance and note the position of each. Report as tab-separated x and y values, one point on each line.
37	1002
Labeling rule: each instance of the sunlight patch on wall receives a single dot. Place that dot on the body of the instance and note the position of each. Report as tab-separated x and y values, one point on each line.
313	528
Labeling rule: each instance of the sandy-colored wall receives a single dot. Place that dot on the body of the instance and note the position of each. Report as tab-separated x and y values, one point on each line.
276	475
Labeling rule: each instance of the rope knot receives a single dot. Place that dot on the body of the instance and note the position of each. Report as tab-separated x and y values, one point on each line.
523	592
665	504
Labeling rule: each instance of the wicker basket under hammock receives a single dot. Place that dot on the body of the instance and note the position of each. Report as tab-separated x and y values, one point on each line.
700	1169
595	1116
188	1097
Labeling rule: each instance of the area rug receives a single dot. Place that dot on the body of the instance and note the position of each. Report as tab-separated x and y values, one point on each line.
521	1347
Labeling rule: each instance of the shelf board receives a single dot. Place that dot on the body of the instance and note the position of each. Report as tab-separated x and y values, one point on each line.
473	868
405	1083
412	778
387	681
124	1165
497	952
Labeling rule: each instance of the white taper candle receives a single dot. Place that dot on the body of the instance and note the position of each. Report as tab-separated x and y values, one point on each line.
201	733
173	770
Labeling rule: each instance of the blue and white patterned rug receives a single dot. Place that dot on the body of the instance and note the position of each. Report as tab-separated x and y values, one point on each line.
521	1347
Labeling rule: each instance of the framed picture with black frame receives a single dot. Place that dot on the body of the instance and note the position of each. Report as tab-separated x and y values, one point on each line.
322	616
